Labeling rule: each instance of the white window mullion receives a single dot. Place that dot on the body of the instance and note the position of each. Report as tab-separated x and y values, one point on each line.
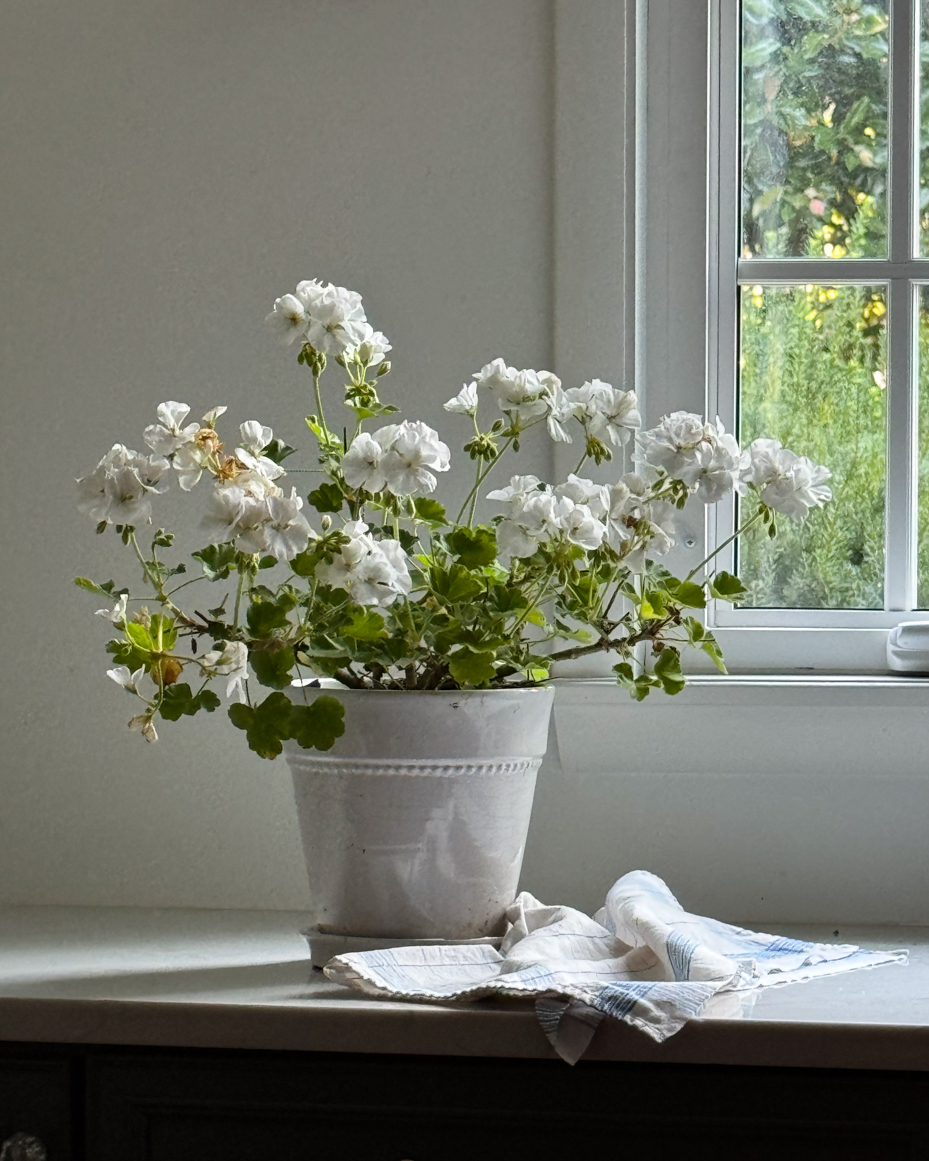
900	553
723	242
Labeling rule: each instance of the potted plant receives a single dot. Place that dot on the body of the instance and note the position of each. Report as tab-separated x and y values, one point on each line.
399	650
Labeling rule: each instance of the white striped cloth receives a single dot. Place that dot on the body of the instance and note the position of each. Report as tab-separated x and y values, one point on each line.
642	959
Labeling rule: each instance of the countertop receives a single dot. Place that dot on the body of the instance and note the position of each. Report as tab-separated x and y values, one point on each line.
242	980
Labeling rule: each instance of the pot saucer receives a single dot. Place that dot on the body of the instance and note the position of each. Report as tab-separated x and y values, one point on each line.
323	945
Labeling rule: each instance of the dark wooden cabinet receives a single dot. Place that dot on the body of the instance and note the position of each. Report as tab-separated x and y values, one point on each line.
36	1101
124	1104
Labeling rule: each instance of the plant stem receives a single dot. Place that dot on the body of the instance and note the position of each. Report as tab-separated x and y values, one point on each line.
729	539
156	584
238	598
319	401
481	477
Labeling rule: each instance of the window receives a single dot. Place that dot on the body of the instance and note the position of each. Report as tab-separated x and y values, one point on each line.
818	325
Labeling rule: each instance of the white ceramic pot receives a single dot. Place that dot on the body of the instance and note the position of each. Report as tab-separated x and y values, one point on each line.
414	823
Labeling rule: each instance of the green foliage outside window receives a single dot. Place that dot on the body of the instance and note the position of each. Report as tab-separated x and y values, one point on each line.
815	101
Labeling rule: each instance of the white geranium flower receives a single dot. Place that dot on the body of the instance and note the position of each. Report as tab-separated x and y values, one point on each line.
719	471
259	470
588	400
516	392
532	519
254	436
118	613
286	532
396	557
128	498
560	407
414	449
681	445
786	482
288	319
372	572
336	320
612	415
310	292
231	662
595	496
151	470
518	489
579	524
189	462
122	676
632	513
209	420
167	435
362	464
465	402
230	512
372	348
103	498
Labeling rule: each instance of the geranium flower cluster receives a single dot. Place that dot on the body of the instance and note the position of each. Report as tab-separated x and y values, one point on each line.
709	461
331	319
606	413
399	458
379	585
372	572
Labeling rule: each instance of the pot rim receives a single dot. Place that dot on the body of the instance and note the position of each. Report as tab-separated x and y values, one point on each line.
337	687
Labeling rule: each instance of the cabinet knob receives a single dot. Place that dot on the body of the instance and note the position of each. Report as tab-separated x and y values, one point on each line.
22	1147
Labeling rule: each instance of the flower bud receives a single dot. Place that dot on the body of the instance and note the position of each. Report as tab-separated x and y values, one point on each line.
383	368
326	523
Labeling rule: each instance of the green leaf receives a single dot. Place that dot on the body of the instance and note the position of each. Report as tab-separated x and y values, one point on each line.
668	670
264	617
304	563
456	584
689	595
104	590
272	666
316	726
265	725
278	451
429	511
473	547
726	587
125	653
365	625
178	701
710	646
469	668
139	636
217	560
326	498
162	632
267	562
162	539
624	674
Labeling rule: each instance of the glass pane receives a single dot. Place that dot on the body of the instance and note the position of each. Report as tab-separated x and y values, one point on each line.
813	367
922	559
924	129
814	128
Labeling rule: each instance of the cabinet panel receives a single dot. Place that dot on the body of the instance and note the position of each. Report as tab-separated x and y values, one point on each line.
394	1109
35	1098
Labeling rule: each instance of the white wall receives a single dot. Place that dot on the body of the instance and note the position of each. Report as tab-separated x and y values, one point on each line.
168	169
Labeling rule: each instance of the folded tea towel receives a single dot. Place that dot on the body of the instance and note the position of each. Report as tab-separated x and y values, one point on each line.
642	959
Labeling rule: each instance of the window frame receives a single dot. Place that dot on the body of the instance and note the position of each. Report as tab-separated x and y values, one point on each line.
805	638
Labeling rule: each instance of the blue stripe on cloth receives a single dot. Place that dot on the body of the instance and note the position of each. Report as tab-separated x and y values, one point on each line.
680	954
620	998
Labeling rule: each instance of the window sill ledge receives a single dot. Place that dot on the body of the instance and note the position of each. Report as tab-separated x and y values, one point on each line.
866	690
